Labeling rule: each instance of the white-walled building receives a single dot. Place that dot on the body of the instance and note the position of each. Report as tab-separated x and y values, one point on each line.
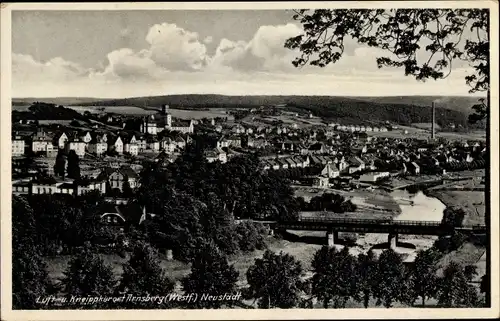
373	176
77	145
116	144
97	146
18	145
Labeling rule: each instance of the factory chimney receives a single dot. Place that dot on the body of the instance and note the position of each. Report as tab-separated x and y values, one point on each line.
433	126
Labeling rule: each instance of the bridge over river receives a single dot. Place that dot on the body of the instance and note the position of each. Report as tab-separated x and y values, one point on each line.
332	226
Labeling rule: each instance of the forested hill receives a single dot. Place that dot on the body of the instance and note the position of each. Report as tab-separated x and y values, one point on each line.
65	101
352	108
459	103
402	109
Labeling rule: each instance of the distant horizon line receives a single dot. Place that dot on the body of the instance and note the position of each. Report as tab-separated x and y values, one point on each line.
229	95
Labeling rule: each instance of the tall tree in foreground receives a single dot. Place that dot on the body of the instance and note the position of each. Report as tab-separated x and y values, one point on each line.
210	274
29	272
275	280
454	289
334	276
88	275
60	165
143	276
424	277
73	165
390	276
425	42
367	277
127	191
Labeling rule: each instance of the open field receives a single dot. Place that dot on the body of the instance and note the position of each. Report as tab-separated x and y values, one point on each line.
426	126
176	270
472	202
467	254
138	111
400	181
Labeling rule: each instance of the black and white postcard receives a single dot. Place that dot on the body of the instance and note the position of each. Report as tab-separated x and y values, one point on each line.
249	160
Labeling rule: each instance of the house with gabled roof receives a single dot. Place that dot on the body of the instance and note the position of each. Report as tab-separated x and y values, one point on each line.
330	171
76	143
116	144
129	145
117	177
291	163
97	145
216	154
282	162
167	145
153	144
321	181
60	140
355	164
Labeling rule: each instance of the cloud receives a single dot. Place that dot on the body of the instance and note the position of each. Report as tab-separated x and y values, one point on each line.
208	40
25	67
175	48
175	61
264	52
127	64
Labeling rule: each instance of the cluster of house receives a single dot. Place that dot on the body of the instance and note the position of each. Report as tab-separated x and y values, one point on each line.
113	178
358	128
49	142
374	158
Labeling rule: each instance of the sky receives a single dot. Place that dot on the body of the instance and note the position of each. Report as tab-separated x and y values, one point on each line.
118	54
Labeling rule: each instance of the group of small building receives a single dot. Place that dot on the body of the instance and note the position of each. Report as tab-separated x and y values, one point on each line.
402	156
47	142
113	178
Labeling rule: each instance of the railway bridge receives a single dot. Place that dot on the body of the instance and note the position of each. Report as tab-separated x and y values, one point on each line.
332	227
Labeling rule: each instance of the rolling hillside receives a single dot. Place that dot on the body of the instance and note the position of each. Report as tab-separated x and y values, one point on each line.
335	108
402	110
65	101
462	104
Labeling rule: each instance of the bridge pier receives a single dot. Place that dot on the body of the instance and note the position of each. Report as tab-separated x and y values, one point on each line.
333	238
330	238
393	240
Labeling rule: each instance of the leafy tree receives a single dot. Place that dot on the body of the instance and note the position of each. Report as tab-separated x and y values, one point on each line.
453	217
424	277
29	271
88	275
334	276
367	277
60	165
425	42
126	189
73	165
210	274
454	289
143	276
331	202
250	236
446	244
390	276
275	280
485	284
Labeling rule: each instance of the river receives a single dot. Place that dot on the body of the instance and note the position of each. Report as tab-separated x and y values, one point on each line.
418	207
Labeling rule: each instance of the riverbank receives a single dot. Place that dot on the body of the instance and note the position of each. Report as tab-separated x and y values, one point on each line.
472	202
371	204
